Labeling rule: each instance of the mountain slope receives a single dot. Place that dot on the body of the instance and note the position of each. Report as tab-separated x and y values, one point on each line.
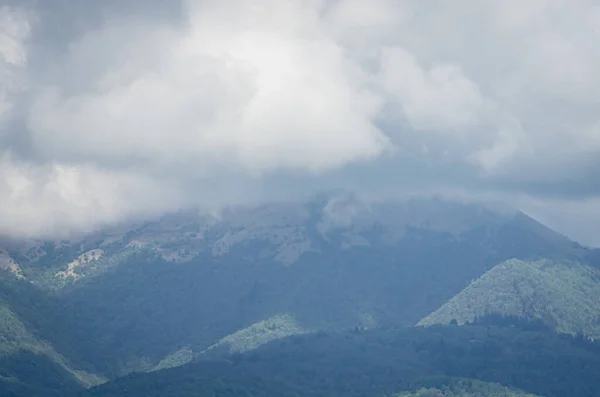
33	343
285	233
562	294
388	362
363	265
16	339
187	286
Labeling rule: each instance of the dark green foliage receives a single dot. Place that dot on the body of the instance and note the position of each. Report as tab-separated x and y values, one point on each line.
457	387
148	308
562	294
384	362
43	314
30	375
133	308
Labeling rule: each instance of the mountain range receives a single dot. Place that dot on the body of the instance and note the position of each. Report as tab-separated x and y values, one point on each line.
192	294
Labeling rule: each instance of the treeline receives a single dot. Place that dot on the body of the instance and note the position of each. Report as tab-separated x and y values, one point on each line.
385	363
26	374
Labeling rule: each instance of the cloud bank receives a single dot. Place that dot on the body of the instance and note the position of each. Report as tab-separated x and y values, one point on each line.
129	109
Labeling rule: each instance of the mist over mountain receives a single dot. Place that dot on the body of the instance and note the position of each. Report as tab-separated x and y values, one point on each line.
194	286
299	198
125	110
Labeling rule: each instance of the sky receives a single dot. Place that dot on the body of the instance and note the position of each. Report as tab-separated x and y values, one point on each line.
125	109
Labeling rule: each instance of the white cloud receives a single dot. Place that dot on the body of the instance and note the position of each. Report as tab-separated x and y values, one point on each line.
59	199
438	99
14	31
255	99
245	90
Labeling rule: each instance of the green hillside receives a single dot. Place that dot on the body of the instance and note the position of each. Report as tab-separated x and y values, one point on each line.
32	367
383	265
562	294
34	338
474	360
188	287
465	388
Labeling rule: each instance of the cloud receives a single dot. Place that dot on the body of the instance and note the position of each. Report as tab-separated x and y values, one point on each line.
55	200
14	31
214	96
128	109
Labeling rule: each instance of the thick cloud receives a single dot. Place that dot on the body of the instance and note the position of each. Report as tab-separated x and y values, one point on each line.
129	109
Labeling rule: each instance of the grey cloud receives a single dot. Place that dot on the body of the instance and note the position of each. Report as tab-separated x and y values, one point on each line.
128	108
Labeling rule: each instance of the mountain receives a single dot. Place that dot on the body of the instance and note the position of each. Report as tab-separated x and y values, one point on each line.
195	286
29	364
562	294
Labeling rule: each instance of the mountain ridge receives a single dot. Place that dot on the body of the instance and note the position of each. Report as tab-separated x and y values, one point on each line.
191	286
561	294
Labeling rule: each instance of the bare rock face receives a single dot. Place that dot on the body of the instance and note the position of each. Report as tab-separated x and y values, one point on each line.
8	263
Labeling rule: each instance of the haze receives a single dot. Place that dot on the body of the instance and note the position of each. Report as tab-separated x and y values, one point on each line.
122	109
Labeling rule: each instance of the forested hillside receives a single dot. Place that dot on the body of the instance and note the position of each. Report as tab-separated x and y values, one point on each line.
191	287
36	356
563	294
405	362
